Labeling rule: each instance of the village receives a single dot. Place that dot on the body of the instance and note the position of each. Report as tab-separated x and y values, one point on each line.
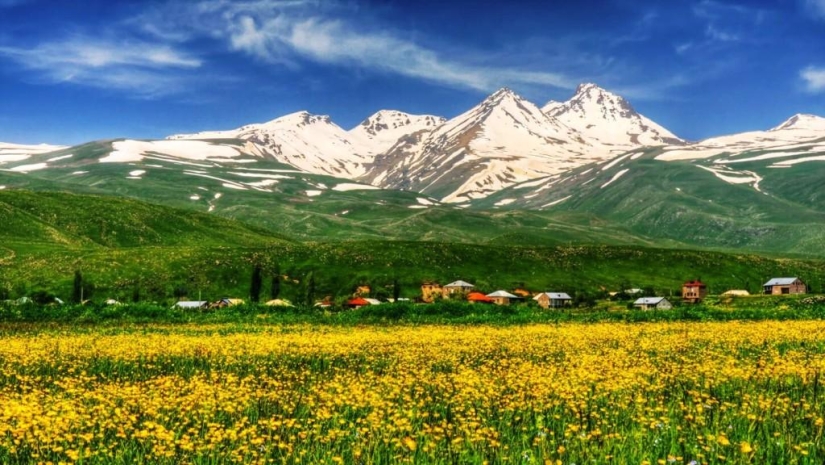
692	292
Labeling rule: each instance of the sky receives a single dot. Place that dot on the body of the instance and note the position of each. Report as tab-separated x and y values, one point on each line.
72	72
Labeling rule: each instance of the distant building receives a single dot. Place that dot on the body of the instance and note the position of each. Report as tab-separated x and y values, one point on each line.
363	290
736	293
694	291
457	289
373	301
478	297
553	299
430	290
192	305
502	297
652	303
223	303
784	286
357	302
521	292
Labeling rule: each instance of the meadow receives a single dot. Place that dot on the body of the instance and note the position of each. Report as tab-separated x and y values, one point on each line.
644	393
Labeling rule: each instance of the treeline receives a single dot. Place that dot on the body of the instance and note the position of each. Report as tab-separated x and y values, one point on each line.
441	312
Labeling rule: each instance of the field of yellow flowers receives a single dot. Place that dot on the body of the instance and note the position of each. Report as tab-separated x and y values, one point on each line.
657	393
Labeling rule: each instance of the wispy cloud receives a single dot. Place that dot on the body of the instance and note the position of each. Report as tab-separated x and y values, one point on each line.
813	78
287	32
815	8
138	67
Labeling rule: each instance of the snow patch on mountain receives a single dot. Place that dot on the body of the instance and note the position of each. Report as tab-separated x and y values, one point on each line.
128	151
610	119
381	131
615	177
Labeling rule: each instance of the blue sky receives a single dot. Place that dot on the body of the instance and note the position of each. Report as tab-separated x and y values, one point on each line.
77	71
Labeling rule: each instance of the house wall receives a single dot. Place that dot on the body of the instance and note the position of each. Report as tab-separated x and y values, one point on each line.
796	288
664	305
543	301
501	300
429	291
694	293
449	292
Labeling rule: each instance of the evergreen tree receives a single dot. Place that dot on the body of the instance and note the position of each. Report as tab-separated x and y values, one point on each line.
396	290
255	285
275	288
310	289
77	287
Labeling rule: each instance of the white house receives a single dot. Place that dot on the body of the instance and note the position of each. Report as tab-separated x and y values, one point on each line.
652	303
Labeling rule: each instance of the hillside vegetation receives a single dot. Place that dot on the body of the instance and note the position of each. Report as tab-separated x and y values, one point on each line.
129	250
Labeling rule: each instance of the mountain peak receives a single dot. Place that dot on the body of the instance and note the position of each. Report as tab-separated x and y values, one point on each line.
609	118
803	121
502	94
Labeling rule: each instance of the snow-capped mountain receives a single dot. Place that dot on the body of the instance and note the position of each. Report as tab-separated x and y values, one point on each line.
502	141
382	130
18	152
312	143
610	119
800	138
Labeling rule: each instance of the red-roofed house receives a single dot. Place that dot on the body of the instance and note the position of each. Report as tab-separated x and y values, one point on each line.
357	302
694	292
474	297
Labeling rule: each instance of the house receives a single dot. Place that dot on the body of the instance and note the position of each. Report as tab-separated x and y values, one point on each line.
279	303
357	302
652	303
223	303
736	293
430	290
694	291
782	286
192	305
457	289
553	299
363	290
478	297
502	297
522	292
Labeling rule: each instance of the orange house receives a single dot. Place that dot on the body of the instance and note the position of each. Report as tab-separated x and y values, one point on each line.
430	290
694	292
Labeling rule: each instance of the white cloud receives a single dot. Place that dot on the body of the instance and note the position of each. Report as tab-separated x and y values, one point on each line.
814	79
283	31
138	67
816	7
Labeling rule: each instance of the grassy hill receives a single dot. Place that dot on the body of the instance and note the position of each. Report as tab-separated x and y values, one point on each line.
126	247
681	201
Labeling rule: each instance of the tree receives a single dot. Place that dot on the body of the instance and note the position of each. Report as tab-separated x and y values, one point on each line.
77	287
309	297
275	288
255	285
396	290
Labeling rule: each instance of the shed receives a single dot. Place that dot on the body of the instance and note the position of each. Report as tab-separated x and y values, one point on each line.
784	286
192	304
652	303
502	297
553	299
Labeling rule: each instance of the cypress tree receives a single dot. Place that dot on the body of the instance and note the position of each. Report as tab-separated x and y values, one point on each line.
77	287
275	289
310	289
255	285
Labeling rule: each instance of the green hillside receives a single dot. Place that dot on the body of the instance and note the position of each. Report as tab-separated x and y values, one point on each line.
683	202
126	248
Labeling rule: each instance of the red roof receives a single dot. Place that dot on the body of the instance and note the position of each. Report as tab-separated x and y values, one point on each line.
478	297
696	283
357	302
